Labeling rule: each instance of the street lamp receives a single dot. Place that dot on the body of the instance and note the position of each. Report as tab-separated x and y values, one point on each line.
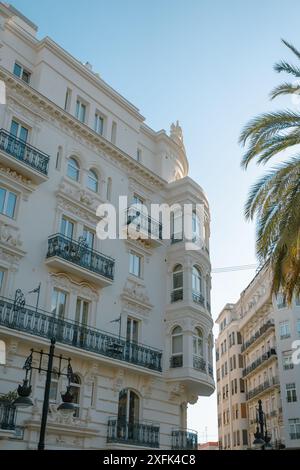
262	439
24	390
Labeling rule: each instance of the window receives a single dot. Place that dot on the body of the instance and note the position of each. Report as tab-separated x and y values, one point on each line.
198	343
82	311
135	264
68	99
177	340
128	414
284	329
137	200
139	155
294	425
73	169
8	202
108	189
298	326
58	303
114	133
19	131
245	437
54	386
177	288
218	375
241	365
89	237
2	352
195	226
2	273
225	368
297	300
22	73
281	301
80	111
239	338
67	227
196	280
92	181
75	391
287	361
291	394
242	386
243	410
177	224
132	330
58	158
99	124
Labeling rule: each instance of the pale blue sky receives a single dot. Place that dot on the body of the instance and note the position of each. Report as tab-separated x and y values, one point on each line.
207	63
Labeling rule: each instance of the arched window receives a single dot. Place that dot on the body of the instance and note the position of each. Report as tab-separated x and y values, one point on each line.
73	169
92	181
54	386
198	343
128	414
108	189
196	280
75	391
177	283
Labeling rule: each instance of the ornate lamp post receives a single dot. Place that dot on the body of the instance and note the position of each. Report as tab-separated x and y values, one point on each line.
24	390
262	439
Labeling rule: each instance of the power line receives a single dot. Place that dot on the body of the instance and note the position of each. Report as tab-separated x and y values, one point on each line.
226	269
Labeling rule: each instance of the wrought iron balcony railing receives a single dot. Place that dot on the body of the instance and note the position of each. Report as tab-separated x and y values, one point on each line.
198	298
262	387
8	415
176	295
41	323
79	253
184	439
295	435
139	434
269	324
210	370
199	363
260	360
176	361
24	152
144	223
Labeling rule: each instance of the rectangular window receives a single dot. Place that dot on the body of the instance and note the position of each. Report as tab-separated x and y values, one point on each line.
245	437
298	326
238	438
82	311
240	361
291	395
68	99
8	202
294	425
242	386
22	73
135	264
132	330
284	329
2	273
80	111
287	361
243	410
89	237
297	300
67	227
19	131
99	124
58	303
139	155
239	338
218	375
281	302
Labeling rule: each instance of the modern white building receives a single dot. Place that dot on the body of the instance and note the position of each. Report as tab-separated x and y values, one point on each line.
132	315
266	331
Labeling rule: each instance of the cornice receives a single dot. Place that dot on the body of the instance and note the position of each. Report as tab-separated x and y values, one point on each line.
119	156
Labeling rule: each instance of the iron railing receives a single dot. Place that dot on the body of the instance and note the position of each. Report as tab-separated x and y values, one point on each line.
258	334
24	152
176	295
260	360
144	223
46	325
140	434
295	435
79	253
262	387
198	298
199	363
8	416
210	370
184	439
176	361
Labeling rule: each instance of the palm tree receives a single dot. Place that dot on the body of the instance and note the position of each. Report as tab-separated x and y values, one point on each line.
275	198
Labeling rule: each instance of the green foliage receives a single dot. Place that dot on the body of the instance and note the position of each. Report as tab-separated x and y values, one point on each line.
10	397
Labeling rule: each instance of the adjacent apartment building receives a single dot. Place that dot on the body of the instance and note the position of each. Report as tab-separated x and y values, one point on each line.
262	330
133	315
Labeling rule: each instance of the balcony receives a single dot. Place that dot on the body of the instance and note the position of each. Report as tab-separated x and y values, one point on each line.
135	434
268	384
195	373
259	361
77	258
176	361
198	298
43	324
176	295
199	364
8	415
258	334
141	226
184	440
23	158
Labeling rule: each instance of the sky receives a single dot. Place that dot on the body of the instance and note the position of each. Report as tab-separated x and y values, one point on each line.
207	63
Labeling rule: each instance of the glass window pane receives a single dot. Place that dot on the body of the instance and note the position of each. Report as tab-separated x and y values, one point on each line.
11	204
23	133
1	279
17	70
2	199
14	128
177	344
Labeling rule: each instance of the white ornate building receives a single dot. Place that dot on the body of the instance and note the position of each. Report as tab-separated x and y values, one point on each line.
133	315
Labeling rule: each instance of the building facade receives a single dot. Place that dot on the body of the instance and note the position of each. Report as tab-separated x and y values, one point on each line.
267	330
132	314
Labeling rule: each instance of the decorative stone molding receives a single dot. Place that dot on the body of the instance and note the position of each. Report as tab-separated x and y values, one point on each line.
10	235
147	388
177	392
64	281
56	416
135	298
118	381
